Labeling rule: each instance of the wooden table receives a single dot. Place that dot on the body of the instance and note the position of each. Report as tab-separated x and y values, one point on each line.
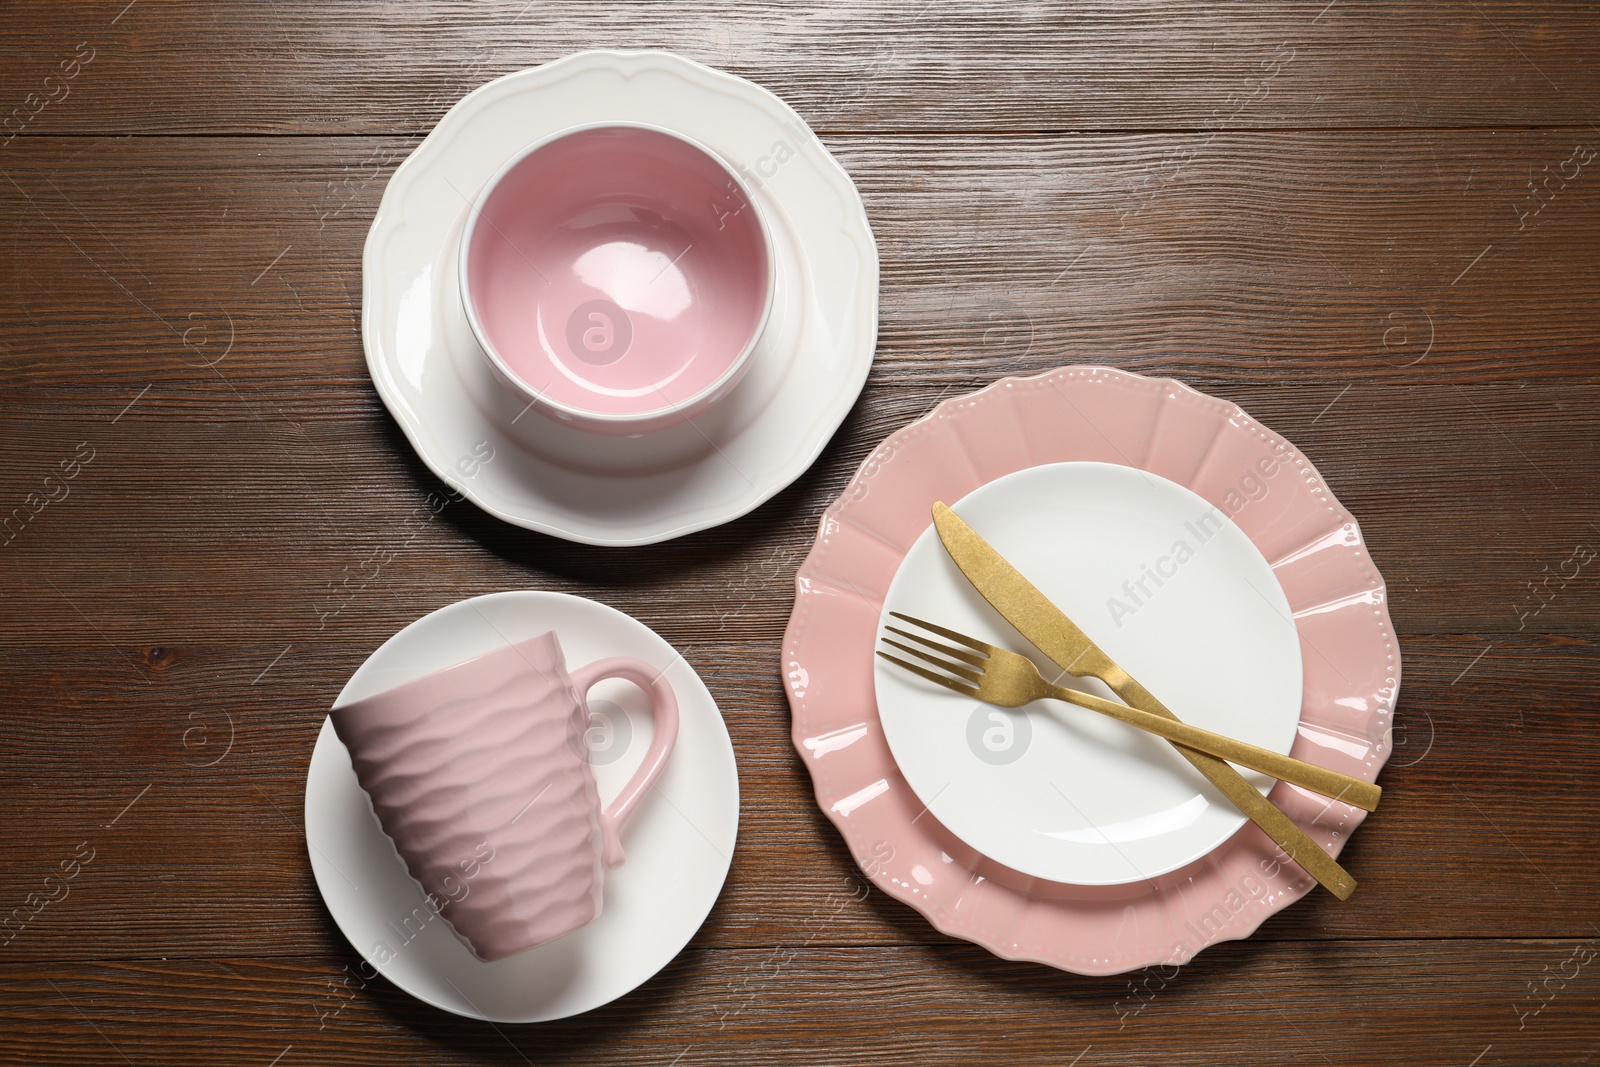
1375	227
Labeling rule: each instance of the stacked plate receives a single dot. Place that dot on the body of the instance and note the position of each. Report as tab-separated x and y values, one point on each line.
808	366
1204	554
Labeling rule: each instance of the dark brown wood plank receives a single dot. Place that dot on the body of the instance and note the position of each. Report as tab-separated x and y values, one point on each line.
1389	1003
1399	258
211	860
874	65
1453	500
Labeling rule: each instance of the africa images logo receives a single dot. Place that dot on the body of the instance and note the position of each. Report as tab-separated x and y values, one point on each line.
599	332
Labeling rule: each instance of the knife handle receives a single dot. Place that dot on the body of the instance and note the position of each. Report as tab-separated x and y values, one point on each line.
1285	833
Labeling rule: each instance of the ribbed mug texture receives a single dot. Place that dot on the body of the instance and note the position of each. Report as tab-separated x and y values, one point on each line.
488	753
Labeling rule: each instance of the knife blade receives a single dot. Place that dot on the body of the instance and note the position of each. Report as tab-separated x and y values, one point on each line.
1057	636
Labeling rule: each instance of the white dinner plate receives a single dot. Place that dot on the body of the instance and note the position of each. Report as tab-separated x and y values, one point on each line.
679	841
1176	594
805	373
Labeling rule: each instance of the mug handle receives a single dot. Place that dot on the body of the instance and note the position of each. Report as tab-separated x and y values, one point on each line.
663	709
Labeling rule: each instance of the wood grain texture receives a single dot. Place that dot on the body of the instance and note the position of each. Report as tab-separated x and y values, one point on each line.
1305	256
1367	224
1490	508
795	1003
881	65
210	862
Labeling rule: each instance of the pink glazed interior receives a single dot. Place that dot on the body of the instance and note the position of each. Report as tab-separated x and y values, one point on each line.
618	272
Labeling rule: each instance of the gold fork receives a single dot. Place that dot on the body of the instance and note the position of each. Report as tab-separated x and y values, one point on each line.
1001	677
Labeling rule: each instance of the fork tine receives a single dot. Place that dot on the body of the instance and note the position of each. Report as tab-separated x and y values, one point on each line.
971	642
945	665
954	653
938	679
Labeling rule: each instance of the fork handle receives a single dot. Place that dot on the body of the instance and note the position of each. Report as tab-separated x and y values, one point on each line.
1321	780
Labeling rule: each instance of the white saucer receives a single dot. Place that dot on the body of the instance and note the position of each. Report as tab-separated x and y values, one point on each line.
807	371
1059	792
679	842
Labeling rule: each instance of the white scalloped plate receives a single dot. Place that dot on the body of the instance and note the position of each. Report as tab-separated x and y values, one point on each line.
807	371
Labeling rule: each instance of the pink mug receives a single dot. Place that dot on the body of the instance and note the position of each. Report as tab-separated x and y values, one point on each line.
487	759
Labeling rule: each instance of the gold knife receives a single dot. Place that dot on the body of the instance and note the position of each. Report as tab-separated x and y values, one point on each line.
1058	637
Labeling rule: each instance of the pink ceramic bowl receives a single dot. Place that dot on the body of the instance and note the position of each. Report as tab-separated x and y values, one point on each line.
618	277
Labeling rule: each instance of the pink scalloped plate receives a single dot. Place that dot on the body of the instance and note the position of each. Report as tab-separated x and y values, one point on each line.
1351	662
